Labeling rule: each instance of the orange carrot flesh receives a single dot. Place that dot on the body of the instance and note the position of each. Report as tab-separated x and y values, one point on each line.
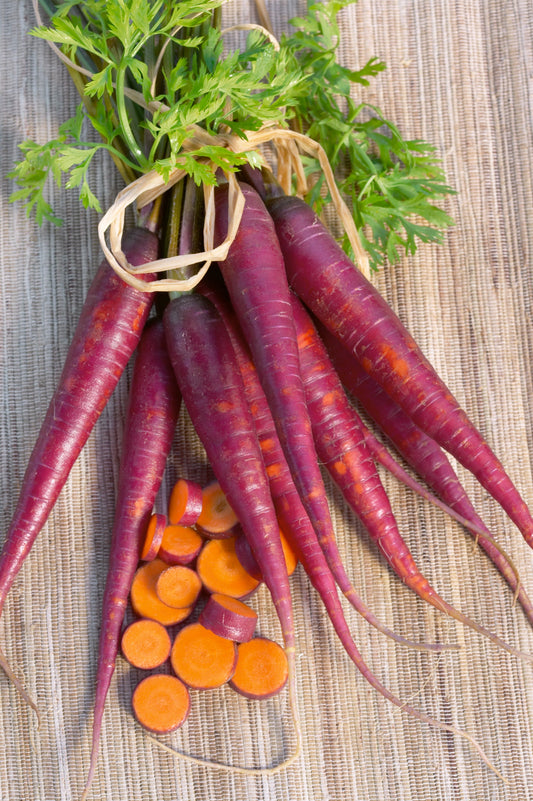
146	644
291	560
161	703
154	537
185	504
144	598
201	659
178	586
249	562
180	545
220	570
217	517
228	617
262	669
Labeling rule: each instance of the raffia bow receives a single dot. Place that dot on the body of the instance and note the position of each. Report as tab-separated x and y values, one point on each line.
288	144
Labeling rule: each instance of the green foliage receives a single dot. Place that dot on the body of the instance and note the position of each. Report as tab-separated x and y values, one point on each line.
155	69
390	183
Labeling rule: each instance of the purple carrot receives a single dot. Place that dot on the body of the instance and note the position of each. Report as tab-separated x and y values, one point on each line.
291	514
107	333
212	389
342	448
354	311
424	455
213	392
254	274
151	418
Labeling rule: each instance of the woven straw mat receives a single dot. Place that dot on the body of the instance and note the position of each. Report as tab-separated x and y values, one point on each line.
458	75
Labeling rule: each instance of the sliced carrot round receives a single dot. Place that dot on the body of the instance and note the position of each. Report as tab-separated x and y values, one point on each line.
161	703
146	644
144	598
217	518
154	537
180	545
202	659
220	570
228	617
178	586
262	669
185	504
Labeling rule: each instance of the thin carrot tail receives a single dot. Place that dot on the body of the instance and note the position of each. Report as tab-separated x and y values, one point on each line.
351	596
95	745
4	664
356	657
421	587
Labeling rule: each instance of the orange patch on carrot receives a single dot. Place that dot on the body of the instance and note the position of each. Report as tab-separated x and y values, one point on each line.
224	406
273	470
400	366
339	467
328	398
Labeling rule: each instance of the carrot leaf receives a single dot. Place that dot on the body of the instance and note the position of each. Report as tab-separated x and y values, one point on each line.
154	72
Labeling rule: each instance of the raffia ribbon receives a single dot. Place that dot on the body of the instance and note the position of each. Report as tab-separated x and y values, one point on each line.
148	187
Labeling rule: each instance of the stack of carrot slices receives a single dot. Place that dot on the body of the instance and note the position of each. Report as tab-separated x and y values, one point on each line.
197	559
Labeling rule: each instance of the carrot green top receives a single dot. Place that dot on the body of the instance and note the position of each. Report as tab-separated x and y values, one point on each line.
164	92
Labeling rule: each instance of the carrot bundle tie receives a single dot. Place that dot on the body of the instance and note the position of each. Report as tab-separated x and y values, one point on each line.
152	185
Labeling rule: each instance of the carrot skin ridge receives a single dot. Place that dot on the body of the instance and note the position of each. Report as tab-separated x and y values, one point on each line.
255	277
421	452
289	508
213	392
150	423
342	448
109	327
353	310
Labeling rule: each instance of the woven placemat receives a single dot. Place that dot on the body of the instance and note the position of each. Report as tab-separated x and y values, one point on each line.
459	75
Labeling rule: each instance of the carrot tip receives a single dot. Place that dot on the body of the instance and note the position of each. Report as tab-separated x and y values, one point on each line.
4	664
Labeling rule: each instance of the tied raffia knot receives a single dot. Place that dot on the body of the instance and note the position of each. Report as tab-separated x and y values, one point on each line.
288	145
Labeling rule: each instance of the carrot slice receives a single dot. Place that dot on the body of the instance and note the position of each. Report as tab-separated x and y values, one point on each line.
228	617
161	703
180	545
185	504
178	586
217	518
144	598
154	537
146	644
262	669
220	570
202	659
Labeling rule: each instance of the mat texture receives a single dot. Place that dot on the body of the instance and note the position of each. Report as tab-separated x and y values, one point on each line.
459	75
